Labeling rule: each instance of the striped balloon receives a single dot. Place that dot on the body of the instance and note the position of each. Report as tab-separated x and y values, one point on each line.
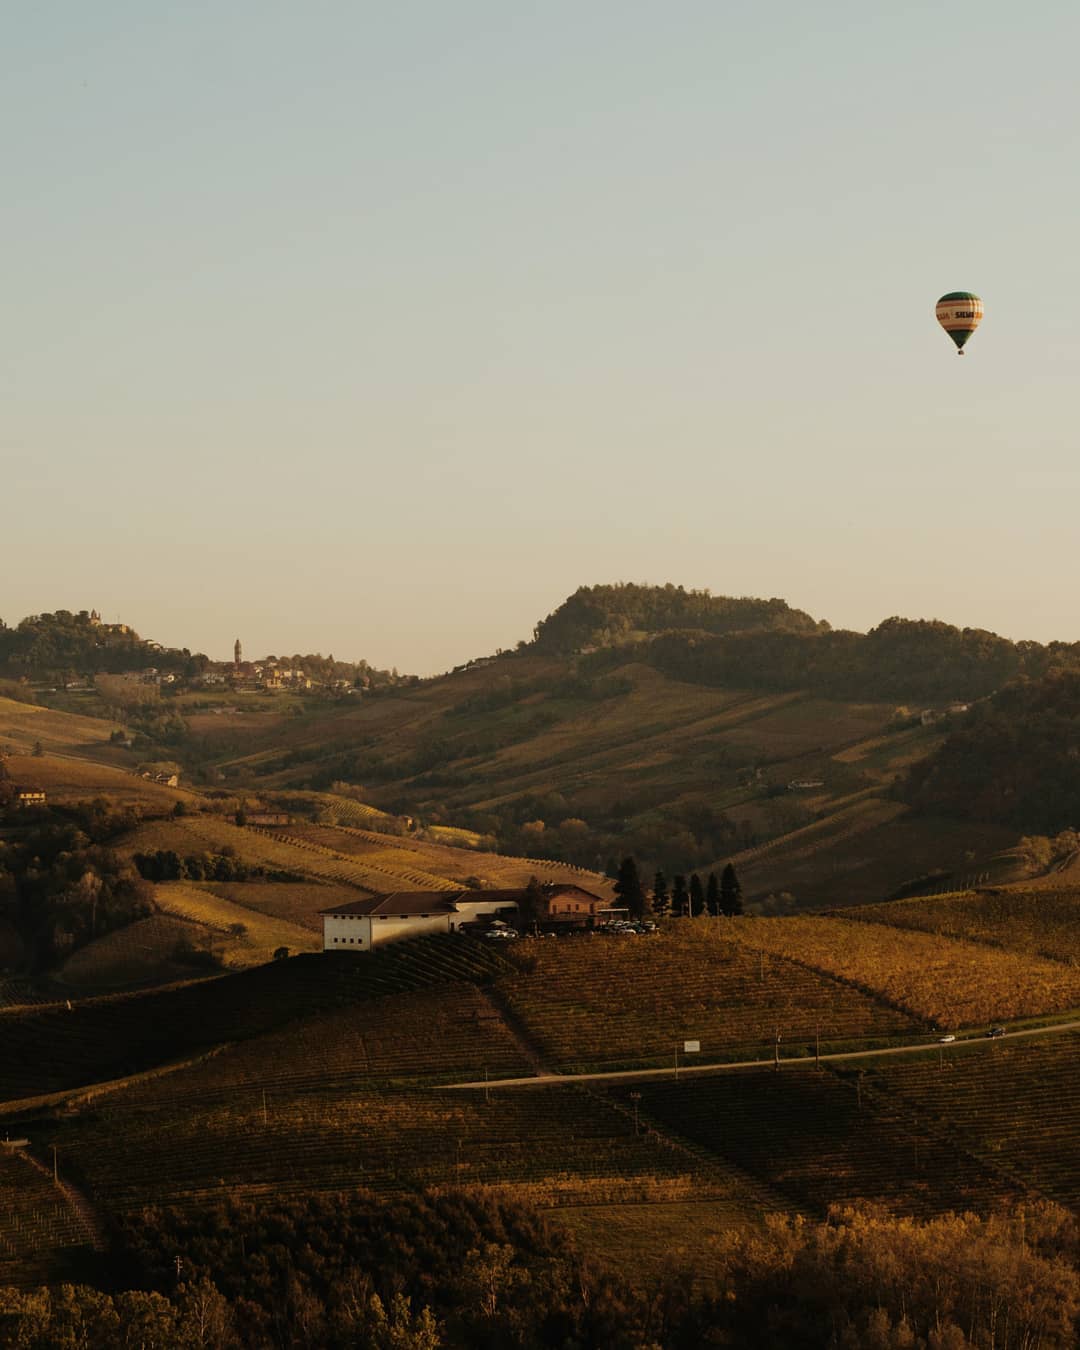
959	314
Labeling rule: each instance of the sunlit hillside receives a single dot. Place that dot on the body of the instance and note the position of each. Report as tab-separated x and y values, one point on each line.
796	788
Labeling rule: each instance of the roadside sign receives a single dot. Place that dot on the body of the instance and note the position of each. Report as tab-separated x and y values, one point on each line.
691	1047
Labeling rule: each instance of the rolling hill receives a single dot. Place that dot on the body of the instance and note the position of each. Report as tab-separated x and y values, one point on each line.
310	1075
686	728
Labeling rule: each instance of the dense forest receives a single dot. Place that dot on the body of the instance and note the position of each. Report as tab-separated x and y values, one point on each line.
62	885
906	660
764	644
63	645
1015	760
602	616
466	1270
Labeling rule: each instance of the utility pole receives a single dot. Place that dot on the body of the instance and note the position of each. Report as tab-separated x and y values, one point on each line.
635	1097
676	1061
487	1094
55	1170
265	1121
817	1045
776	1051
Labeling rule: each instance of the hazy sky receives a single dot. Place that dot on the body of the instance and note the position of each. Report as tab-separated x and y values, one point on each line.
379	328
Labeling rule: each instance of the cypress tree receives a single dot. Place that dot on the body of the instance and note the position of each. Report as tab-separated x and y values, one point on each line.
660	901
730	892
629	888
531	905
679	898
712	895
697	896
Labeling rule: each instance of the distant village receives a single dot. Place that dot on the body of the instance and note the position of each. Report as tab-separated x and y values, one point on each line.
238	675
271	674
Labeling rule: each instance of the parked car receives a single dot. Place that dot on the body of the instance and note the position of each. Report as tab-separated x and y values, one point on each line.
946	1040
995	1033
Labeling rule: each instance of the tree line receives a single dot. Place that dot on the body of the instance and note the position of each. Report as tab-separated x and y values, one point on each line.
608	615
65	644
685	898
465	1270
62	885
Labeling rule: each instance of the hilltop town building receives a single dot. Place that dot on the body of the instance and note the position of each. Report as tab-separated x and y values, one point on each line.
364	924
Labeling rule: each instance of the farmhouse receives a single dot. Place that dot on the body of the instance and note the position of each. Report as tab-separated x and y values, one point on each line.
363	924
30	797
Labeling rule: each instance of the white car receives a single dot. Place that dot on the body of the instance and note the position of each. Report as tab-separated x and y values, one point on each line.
946	1040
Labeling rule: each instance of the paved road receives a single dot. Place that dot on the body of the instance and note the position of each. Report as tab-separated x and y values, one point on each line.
686	1067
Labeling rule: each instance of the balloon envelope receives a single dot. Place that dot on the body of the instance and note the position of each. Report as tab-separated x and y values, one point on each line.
959	313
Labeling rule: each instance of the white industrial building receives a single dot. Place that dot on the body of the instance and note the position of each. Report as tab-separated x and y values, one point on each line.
363	924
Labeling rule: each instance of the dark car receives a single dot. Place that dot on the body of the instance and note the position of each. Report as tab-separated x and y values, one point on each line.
995	1032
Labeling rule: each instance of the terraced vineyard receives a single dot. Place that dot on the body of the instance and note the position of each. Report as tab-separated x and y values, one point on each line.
21	992
51	1049
321	860
816	1140
851	820
42	1235
939	980
348	856
431	1034
595	1003
400	862
294	902
1042	922
263	935
347	810
1014	1103
136	1151
143	953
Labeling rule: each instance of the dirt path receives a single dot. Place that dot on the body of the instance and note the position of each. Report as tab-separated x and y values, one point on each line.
641	1075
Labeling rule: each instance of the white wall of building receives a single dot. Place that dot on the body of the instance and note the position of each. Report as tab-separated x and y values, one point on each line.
392	927
360	932
348	932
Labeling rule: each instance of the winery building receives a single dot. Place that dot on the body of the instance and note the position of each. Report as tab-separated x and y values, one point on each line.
363	924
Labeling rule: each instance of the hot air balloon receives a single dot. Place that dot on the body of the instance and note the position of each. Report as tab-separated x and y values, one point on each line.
959	314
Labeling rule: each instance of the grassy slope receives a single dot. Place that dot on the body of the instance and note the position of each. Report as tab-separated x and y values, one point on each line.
22	725
72	779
